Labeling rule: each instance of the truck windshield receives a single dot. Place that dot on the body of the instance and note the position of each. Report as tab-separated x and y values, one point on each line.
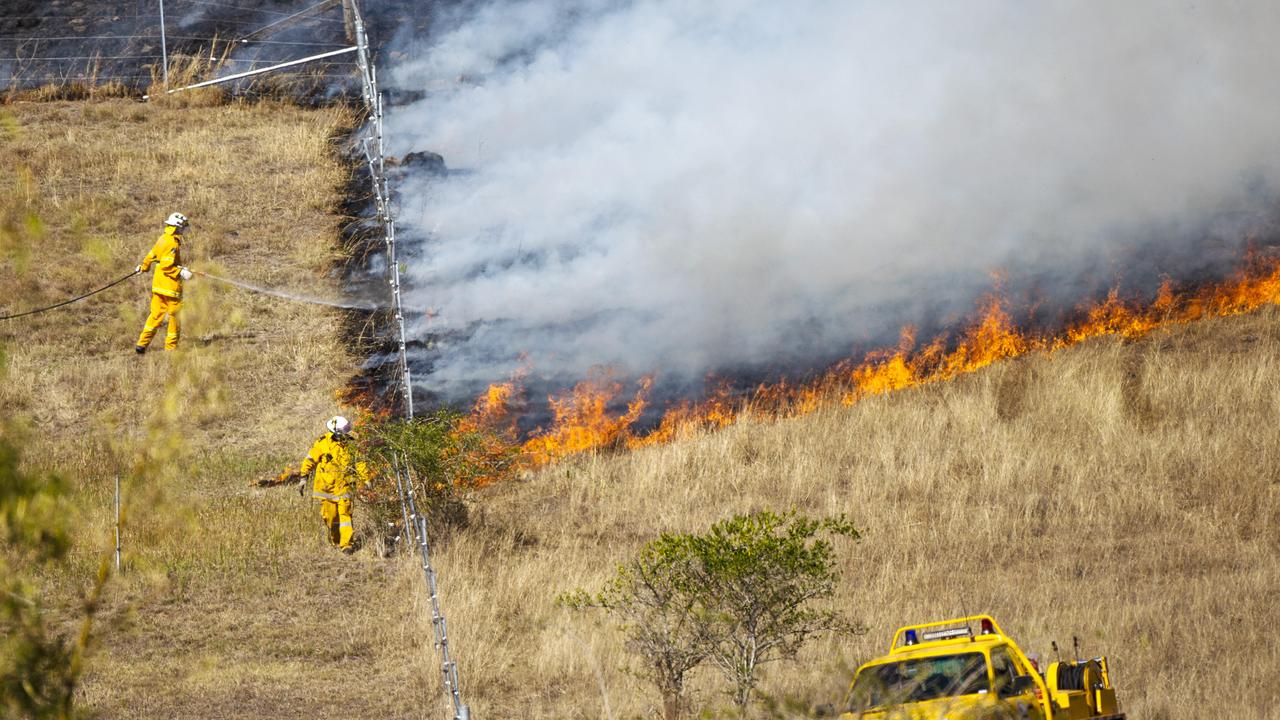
920	679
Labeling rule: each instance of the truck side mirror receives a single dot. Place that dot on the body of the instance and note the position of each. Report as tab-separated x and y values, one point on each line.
1022	684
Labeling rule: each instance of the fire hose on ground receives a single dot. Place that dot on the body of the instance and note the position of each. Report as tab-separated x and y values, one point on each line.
77	298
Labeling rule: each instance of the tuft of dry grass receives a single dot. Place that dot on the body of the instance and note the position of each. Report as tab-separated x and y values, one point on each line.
1124	492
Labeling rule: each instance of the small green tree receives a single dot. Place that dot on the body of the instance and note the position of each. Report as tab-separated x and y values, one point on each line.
756	578
740	596
659	614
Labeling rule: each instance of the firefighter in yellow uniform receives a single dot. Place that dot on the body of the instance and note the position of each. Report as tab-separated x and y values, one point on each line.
338	474
166	283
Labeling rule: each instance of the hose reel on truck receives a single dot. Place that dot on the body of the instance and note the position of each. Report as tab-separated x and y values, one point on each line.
1082	688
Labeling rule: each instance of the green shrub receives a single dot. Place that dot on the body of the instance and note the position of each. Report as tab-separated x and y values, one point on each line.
739	596
445	455
39	668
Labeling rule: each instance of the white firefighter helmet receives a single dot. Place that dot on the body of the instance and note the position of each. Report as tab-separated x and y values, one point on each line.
339	425
177	220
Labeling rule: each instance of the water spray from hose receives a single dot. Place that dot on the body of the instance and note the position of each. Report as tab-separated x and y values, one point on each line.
296	297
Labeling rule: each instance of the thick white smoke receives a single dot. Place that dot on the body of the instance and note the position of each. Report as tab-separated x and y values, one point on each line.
692	186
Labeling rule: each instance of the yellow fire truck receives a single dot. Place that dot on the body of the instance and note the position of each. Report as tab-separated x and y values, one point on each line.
968	668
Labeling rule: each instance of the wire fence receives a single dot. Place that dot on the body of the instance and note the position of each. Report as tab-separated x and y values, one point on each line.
371	140
128	45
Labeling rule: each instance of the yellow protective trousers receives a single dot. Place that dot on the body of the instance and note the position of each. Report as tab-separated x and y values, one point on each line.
162	306
337	520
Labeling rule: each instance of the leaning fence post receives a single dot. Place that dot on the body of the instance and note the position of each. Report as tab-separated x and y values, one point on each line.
164	49
117	523
415	522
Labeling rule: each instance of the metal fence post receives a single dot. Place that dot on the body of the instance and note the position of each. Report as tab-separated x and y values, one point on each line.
164	48
371	142
448	668
117	523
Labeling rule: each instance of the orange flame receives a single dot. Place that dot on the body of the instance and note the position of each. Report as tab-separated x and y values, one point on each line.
492	411
583	422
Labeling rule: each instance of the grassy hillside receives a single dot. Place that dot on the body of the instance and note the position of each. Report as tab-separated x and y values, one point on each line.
1128	493
231	603
1125	492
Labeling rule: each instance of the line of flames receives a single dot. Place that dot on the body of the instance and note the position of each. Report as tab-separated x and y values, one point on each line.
582	420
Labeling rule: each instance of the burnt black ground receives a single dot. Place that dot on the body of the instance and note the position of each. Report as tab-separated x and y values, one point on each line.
69	41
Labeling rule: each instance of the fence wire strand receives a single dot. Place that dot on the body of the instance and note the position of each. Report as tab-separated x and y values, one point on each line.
39	38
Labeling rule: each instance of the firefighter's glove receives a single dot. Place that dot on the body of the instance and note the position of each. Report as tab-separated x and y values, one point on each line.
184	273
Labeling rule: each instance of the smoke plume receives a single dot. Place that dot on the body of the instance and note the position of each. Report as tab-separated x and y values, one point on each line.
687	188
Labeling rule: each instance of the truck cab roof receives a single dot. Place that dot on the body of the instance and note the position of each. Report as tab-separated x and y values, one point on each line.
946	636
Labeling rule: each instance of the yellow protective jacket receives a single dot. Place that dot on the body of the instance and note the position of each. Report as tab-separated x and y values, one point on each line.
167	257
337	472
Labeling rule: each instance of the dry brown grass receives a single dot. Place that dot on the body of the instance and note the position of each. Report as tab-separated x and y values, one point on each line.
231	604
1125	492
88	85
